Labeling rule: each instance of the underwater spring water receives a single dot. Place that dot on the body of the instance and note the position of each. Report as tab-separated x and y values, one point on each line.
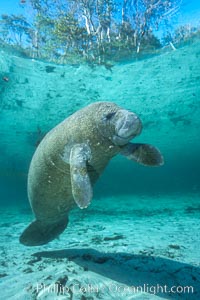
143	224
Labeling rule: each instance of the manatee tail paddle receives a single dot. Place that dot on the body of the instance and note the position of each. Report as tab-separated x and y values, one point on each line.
40	233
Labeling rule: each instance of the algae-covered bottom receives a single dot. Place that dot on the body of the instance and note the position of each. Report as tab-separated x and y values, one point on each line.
112	250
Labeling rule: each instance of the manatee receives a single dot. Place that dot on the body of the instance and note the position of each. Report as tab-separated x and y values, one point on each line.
70	159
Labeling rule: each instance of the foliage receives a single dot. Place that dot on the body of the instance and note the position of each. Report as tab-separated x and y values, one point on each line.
15	29
181	34
92	30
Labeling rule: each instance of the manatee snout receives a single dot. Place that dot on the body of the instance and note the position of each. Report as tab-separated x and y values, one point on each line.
127	126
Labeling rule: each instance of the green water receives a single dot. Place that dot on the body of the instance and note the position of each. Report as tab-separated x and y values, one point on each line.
163	90
143	224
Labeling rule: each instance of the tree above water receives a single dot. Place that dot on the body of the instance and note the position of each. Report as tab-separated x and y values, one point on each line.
92	30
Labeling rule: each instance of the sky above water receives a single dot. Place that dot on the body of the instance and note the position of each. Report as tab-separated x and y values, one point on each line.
190	10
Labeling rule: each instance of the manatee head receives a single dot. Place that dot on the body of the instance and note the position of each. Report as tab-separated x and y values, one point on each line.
117	124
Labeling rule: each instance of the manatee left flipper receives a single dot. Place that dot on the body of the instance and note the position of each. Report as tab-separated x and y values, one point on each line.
144	154
80	181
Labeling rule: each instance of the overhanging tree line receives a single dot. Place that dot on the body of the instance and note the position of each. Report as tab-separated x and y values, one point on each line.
91	30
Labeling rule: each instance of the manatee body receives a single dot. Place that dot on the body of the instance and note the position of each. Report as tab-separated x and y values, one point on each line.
70	159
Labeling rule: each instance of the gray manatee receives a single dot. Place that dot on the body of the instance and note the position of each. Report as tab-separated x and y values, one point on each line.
70	159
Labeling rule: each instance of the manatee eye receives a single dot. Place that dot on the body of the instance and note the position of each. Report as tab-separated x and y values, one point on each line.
109	116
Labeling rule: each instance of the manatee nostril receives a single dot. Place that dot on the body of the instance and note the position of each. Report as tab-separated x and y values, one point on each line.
137	126
130	125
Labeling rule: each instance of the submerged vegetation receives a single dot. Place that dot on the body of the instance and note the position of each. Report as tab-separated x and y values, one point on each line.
96	31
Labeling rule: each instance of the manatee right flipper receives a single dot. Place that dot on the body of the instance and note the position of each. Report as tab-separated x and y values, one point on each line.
80	181
143	154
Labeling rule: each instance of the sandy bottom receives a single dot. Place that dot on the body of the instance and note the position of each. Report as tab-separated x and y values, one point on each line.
136	249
